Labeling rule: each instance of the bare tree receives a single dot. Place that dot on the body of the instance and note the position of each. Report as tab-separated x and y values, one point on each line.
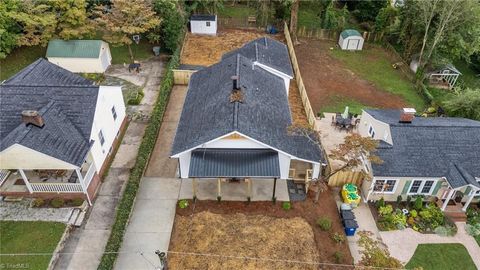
294	20
351	153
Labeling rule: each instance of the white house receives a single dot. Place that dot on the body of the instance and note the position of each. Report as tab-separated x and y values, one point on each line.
203	24
57	132
234	124
85	56
350	39
434	157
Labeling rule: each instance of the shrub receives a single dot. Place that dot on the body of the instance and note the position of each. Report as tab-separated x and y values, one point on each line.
473	230
57	202
380	203
418	204
77	201
399	199
399	219
373	255
324	223
135	97
385	210
413	213
409	201
146	147
432	217
286	205
338	257
38	202
338	238
183	204
446	230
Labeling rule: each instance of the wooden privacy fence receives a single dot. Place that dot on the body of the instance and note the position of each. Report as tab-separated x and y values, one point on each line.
343	177
298	78
331	34
182	76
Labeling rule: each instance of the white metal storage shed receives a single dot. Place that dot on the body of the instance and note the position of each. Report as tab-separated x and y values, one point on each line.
203	24
350	39
88	56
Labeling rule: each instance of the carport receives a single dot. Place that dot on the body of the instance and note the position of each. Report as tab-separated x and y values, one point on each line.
234	165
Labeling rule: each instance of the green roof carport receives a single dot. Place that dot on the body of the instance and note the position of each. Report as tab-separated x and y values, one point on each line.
74	48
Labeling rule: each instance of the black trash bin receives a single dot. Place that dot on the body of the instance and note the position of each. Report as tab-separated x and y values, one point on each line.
347	214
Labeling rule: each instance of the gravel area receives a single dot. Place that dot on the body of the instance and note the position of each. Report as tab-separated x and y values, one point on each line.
21	211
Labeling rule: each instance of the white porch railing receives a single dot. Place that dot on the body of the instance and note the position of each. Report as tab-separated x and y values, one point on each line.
89	175
57	187
4	176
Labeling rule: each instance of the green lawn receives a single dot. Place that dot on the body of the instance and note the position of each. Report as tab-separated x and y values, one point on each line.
141	51
339	102
237	11
441	257
373	64
469	76
18	59
29	237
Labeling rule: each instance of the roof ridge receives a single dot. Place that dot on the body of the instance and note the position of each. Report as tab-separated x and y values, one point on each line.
27	70
57	85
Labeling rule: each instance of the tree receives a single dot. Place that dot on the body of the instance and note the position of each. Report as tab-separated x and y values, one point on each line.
124	19
351	153
386	19
171	27
294	20
366	10
71	18
204	6
37	23
465	104
334	18
445	27
9	30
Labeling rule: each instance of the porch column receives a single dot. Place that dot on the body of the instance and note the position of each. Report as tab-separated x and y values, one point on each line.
274	187
194	188
469	200
25	179
82	183
449	197
219	187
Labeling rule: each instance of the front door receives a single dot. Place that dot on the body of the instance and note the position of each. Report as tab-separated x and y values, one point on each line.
352	44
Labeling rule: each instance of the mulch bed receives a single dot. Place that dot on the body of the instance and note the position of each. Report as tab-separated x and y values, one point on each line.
308	210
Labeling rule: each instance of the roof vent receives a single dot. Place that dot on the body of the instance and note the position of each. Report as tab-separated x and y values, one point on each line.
407	115
237	94
31	117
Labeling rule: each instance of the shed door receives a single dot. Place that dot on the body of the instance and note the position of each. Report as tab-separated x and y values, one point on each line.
352	44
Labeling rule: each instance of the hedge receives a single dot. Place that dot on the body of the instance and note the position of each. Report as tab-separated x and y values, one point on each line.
146	147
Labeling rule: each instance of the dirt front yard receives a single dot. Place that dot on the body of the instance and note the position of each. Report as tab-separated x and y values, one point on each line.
263	231
329	82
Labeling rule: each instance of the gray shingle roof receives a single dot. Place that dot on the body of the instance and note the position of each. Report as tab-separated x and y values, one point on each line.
457	177
202	17
427	146
67	109
213	163
42	72
264	115
268	52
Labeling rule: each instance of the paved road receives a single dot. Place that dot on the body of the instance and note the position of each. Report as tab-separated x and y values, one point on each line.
151	223
88	242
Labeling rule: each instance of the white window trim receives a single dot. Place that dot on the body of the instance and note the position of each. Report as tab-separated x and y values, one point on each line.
366	164
385	192
421	187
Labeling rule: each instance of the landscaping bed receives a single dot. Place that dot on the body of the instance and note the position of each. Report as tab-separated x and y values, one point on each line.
29	237
441	256
295	233
473	222
335	79
424	217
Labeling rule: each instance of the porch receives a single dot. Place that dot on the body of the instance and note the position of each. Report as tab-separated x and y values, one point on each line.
27	182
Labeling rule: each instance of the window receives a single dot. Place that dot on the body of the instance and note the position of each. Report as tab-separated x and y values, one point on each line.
208	24
114	113
387	186
421	187
371	132
100	136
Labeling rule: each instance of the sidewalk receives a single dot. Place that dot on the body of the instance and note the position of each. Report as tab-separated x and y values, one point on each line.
88	242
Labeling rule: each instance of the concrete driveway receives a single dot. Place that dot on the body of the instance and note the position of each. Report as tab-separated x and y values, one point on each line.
151	223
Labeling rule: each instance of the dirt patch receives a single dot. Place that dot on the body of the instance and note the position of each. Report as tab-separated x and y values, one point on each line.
326	79
299	117
237	239
206	50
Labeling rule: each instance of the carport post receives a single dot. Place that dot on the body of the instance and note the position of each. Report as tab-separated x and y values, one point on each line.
274	187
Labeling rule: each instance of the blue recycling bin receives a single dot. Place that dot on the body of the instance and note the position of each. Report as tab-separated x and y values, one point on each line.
350	227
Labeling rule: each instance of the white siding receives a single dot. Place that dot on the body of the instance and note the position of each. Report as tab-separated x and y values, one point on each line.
286	78
200	27
354	43
108	96
21	157
382	130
